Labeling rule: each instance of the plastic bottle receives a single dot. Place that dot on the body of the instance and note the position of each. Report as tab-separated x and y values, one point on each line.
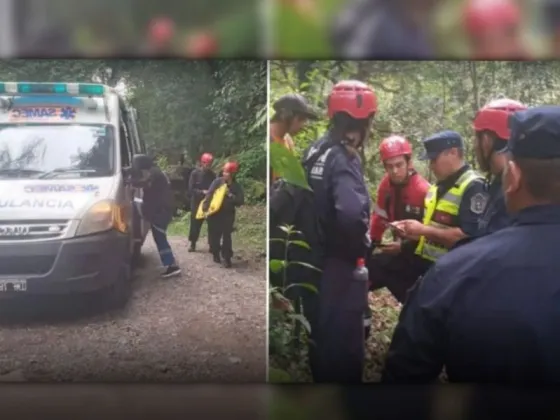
361	271
361	274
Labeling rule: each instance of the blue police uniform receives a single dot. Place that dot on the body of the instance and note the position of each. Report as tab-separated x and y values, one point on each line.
489	311
495	216
475	197
342	205
369	30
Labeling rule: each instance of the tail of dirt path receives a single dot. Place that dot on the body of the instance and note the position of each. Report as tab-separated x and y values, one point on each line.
207	325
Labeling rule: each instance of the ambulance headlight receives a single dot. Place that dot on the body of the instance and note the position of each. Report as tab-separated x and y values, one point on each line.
102	217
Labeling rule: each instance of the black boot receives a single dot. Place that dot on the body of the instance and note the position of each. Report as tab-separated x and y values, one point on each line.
227	263
192	247
217	259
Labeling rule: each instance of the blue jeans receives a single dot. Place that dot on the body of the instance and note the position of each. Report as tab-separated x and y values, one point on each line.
159	234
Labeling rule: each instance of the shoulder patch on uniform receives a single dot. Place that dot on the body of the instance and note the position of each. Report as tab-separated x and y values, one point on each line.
478	203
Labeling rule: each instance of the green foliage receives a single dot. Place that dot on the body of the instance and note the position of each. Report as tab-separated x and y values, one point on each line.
288	328
183	106
162	162
287	166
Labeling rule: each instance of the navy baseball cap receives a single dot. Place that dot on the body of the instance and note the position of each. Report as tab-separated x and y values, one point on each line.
439	142
535	133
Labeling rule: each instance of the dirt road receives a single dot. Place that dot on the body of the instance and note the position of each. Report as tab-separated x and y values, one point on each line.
208	325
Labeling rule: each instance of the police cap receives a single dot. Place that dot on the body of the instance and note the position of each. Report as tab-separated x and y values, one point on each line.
439	142
535	133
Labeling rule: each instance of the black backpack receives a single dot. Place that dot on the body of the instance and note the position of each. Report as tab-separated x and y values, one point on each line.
295	206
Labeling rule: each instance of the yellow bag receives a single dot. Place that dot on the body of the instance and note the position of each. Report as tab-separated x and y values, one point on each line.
215	204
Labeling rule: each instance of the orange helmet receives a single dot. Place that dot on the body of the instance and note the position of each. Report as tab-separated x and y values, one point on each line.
394	146
231	167
495	115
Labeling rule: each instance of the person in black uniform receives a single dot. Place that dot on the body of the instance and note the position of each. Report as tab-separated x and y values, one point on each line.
492	134
157	208
385	30
186	171
489	311
342	207
220	224
199	183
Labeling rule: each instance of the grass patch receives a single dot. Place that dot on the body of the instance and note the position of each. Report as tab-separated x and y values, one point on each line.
249	238
289	367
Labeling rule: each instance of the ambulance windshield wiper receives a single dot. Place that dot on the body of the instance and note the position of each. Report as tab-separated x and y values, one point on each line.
19	172
69	170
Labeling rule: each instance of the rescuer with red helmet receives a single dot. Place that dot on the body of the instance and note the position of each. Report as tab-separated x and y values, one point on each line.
494	29
220	224
341	209
161	32
491	126
199	183
400	196
401	192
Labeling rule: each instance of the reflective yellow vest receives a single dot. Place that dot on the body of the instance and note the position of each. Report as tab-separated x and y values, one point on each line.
448	205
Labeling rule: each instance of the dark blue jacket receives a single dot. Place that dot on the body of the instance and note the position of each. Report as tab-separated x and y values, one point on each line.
489	311
157	206
495	216
377	30
342	201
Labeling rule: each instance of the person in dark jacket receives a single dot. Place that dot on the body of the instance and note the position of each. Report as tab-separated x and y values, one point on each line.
157	208
342	206
199	183
492	134
385	30
489	311
220	224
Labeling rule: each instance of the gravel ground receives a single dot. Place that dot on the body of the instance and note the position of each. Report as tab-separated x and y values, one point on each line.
207	325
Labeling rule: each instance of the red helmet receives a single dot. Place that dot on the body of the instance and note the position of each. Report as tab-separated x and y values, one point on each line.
202	44
352	97
479	15
231	167
394	146
494	117
162	29
206	158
